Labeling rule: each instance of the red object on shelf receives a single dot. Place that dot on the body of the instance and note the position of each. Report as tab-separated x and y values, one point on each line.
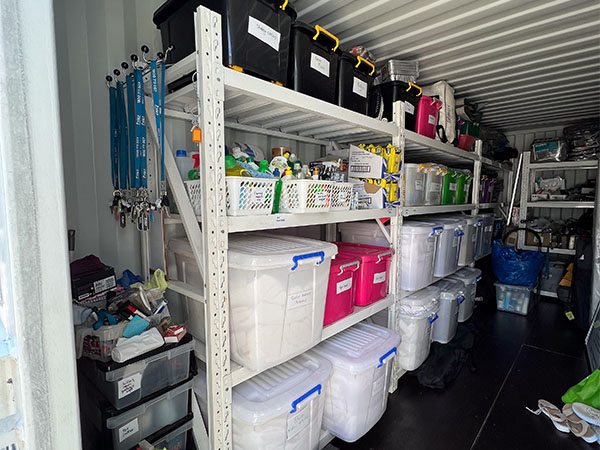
341	289
428	111
373	274
466	142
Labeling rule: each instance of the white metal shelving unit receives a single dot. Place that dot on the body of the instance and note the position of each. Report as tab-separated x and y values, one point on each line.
223	98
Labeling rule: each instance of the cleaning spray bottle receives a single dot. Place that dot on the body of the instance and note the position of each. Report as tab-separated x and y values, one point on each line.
233	169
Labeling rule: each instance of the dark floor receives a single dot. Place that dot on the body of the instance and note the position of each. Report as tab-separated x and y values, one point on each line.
517	360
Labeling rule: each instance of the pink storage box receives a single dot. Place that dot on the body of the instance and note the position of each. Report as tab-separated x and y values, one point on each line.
341	288
372	276
428	111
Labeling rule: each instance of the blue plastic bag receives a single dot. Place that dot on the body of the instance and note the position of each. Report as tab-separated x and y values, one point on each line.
519	269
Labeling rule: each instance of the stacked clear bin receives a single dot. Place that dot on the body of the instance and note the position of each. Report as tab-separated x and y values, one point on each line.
417	244
469	277
515	299
444	328
448	246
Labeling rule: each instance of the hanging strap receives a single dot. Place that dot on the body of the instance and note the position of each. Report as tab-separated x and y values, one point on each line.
131	128
114	137
158	99
162	119
140	131
123	138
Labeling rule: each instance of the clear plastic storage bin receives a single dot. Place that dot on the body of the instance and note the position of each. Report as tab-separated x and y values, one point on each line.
127	383
434	179
486	233
470	277
363	233
277	291
97	344
417	312
417	246
451	296
281	408
555	274
515	299
176	439
414	184
448	246
468	243
357	394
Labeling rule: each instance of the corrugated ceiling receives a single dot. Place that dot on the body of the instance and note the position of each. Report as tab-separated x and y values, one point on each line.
529	63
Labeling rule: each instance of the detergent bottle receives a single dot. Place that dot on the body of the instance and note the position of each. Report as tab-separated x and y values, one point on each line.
263	166
233	169
194	173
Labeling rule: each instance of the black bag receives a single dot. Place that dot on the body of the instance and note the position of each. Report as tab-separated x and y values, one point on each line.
581	286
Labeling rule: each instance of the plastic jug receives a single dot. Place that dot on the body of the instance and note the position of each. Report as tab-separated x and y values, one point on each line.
184	163
449	187
427	116
233	169
463	187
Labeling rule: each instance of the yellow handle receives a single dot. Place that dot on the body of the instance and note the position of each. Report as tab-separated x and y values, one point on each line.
361	59
413	85
320	29
424	167
442	171
285	3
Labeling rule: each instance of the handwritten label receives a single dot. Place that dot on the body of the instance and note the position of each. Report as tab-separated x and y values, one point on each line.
280	220
359	87
299	299
342	196
264	32
129	385
128	430
379	277
434	187
431	120
258	195
320	64
343	286
298	422
320	198
409	107
418	185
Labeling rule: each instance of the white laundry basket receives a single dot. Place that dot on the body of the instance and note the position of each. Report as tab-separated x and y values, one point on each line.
468	243
448	246
357	394
363	233
434	178
417	245
247	196
414	184
281	408
304	196
417	312
340	195
277	291
444	328
469	276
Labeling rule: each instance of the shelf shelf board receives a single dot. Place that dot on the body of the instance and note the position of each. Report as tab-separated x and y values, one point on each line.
491	205
437	209
558	204
557	251
563	165
419	148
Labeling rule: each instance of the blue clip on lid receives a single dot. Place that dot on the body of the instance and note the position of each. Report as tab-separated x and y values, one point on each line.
180	153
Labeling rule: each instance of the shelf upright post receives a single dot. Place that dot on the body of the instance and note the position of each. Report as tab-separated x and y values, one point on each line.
476	176
211	98
398	141
525	183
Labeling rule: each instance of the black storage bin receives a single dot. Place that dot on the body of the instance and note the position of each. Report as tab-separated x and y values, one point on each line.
384	96
355	79
255	33
313	61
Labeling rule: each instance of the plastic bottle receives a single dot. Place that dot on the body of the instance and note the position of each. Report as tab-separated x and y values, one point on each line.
288	175
251	162
306	172
279	162
194	174
263	166
184	163
315	175
298	171
233	169
278	185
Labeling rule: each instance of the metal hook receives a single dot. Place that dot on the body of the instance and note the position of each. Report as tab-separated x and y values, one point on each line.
169	49
109	80
145	50
124	66
134	59
117	74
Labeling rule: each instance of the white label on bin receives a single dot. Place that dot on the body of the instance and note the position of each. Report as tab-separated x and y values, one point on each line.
379	277
342	197
264	32
359	87
320	64
128	430
466	187
320	199
434	187
409	107
129	385
418	185
431	119
452	186
280	220
298	422
258	195
300	299
105	284
343	286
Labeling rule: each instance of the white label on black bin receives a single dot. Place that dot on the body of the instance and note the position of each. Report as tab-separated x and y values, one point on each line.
409	107
379	277
105	284
264	32
129	385
431	120
128	430
418	185
452	186
297	422
343	286
359	87
320	64
434	187
299	299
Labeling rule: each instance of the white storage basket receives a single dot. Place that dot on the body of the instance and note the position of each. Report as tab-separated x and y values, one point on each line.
303	196
340	195
194	190
248	196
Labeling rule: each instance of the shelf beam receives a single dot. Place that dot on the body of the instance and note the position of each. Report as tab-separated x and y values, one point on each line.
560	204
437	209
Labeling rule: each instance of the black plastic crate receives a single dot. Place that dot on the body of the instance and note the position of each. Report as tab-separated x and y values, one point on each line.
313	61
355	79
256	33
384	96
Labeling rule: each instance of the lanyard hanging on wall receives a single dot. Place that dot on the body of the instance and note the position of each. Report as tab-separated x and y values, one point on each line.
122	138
133	175
114	136
140	128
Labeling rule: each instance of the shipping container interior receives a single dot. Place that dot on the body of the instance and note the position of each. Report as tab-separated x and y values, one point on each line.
367	303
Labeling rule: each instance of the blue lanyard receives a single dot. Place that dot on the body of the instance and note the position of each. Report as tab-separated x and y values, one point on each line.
131	128
140	132
114	132
122	138
158	96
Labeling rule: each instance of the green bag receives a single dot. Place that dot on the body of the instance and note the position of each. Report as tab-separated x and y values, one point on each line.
587	391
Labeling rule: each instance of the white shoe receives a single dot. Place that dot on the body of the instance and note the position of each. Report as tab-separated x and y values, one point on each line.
587	413
559	420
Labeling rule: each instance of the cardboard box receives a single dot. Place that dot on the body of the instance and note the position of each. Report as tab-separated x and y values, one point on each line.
93	284
531	239
369	194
